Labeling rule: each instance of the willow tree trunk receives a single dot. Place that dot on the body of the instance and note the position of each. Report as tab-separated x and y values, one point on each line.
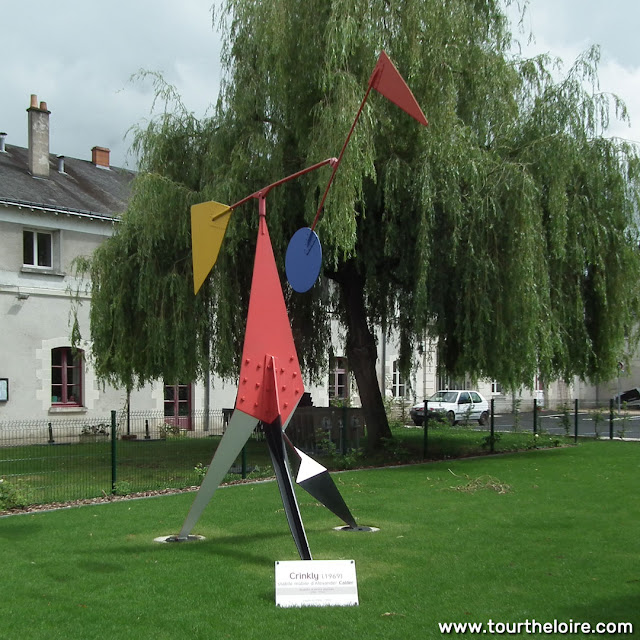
362	355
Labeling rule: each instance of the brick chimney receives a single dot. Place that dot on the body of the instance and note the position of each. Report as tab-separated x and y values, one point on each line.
100	157
38	138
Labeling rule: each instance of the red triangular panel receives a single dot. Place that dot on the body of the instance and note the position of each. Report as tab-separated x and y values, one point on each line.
386	80
270	378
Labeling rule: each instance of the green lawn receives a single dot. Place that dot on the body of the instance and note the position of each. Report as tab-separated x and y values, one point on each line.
557	540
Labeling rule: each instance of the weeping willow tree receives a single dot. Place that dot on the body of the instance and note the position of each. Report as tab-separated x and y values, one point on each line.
144	326
506	229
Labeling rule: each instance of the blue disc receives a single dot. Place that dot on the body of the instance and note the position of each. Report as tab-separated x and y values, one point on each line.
303	260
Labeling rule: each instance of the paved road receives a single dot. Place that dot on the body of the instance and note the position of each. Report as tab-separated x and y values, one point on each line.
553	423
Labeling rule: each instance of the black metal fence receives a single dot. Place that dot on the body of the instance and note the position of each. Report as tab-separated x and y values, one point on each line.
62	459
573	419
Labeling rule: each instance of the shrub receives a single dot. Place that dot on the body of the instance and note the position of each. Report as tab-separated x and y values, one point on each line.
12	495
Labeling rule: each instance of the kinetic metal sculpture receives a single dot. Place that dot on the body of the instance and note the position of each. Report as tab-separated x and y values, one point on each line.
270	385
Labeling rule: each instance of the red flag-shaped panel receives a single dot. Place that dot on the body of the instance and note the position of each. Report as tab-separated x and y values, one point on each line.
386	80
270	378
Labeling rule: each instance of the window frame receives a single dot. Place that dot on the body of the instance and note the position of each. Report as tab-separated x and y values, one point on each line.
37	236
68	362
399	388
339	367
182	398
56	239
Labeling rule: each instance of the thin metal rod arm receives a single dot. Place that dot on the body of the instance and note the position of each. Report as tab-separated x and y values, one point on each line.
344	146
262	193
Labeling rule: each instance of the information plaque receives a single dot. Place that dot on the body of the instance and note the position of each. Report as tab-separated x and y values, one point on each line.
316	583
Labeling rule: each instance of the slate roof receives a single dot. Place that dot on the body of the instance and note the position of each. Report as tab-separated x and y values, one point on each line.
83	189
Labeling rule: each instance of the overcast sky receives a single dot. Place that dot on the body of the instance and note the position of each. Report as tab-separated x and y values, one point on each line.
79	55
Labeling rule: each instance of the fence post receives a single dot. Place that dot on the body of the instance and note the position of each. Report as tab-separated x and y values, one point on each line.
146	430
128	412
611	419
425	443
51	440
492	436
113	452
575	421
535	416
343	433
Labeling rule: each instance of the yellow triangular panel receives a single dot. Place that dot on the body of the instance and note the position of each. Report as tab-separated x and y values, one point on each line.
208	224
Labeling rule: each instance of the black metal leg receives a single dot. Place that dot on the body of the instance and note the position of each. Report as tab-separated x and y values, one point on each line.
324	490
275	441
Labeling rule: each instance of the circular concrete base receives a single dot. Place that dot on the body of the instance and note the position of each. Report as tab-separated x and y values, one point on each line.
357	529
174	538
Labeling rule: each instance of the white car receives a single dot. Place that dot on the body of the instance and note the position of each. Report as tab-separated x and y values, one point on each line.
455	405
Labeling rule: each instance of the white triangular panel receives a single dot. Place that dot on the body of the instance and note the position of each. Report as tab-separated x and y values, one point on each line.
309	468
